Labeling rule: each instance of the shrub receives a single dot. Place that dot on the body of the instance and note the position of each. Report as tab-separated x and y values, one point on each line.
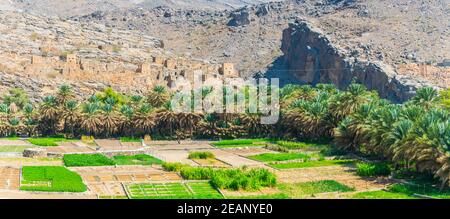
373	169
51	179
193	173
80	160
201	155
174	167
234	179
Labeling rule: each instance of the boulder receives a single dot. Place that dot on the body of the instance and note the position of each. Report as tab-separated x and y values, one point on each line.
35	152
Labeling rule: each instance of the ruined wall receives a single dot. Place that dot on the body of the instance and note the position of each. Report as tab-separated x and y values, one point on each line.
310	58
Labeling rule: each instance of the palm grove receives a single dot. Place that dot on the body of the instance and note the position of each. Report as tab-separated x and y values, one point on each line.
415	134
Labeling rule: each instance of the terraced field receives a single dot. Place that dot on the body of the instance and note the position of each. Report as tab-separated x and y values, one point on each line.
189	190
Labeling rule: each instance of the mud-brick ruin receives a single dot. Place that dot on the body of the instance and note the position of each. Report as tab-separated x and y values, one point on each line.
158	70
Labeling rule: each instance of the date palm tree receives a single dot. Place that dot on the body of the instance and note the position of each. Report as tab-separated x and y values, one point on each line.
30	120
91	122
71	117
126	118
110	120
65	94
49	115
145	119
158	96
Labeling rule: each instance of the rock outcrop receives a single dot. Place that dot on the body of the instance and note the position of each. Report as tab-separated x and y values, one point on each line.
310	58
239	18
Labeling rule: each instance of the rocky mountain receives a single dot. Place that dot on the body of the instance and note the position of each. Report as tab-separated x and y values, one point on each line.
252	36
65	8
393	46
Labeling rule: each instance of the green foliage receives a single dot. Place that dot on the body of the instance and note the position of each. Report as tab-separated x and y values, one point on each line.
174	167
110	96
129	139
139	159
51	179
46	142
373	169
300	190
420	189
445	98
233	179
17	96
301	145
271	196
81	160
201	155
380	195
310	164
268	157
190	190
242	142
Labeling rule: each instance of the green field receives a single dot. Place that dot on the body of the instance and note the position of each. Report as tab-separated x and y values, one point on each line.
269	157
242	142
300	190
84	160
380	195
190	190
291	145
51	179
309	164
14	148
130	139
423	189
47	142
139	159
272	196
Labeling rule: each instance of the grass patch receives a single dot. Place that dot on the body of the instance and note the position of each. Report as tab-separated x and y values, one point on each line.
81	160
18	149
139	159
47	142
268	157
190	190
380	195
299	190
51	179
130	139
310	164
10	138
291	145
271	196
201	155
242	142
233	179
373	169
423	189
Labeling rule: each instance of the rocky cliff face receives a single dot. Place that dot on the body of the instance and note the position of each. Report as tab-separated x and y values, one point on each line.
311	58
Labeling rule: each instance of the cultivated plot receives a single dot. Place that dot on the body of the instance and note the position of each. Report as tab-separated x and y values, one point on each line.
188	190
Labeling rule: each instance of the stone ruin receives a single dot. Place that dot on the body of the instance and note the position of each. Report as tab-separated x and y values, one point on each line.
158	71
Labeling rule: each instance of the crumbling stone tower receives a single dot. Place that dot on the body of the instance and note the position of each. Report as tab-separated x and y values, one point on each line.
229	71
71	61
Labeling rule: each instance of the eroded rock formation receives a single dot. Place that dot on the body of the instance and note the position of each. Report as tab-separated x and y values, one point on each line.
310	58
